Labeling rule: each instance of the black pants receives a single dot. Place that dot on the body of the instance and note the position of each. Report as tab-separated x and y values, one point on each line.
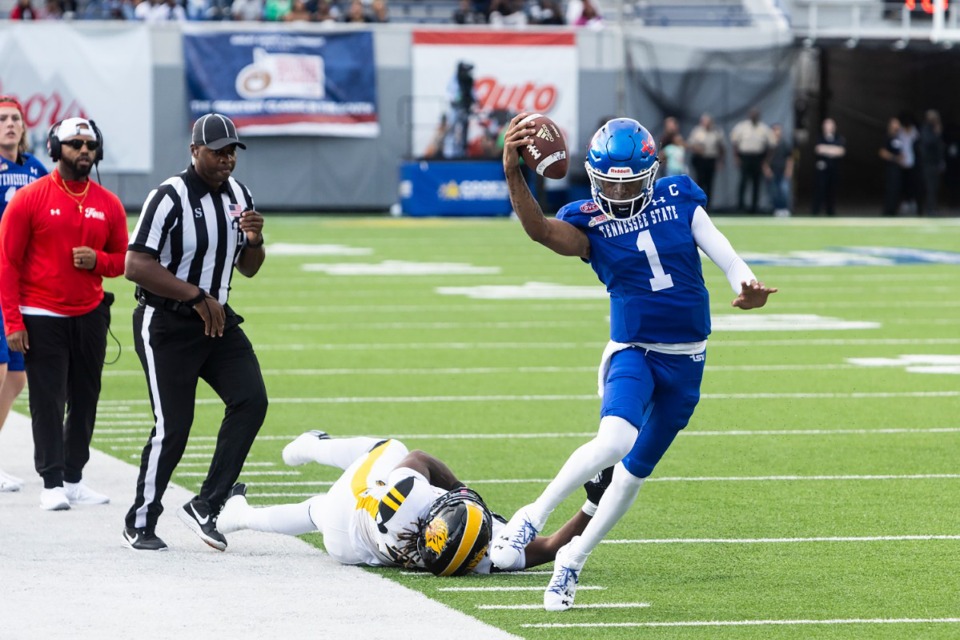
705	168
825	191
175	355
64	365
751	169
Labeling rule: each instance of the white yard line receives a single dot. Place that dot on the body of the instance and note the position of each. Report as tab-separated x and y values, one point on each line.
539	607
738	623
497	589
910	538
567	397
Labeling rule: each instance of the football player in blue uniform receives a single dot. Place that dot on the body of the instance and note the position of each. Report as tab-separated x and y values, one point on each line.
17	169
642	237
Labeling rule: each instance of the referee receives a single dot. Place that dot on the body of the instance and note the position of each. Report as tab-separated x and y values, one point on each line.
193	230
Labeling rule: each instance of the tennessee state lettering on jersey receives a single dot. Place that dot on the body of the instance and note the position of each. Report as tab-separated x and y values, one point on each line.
650	265
13	176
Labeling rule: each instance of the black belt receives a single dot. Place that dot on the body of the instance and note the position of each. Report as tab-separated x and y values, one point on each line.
144	297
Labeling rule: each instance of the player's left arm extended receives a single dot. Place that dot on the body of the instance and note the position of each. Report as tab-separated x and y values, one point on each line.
433	469
750	293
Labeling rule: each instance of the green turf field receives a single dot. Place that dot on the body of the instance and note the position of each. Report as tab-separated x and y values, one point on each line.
815	494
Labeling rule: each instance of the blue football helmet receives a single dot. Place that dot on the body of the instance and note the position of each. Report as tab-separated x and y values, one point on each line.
622	166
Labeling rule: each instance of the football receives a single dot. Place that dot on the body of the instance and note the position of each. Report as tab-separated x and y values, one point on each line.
547	154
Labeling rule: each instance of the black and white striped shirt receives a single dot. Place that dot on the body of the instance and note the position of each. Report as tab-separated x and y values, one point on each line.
189	229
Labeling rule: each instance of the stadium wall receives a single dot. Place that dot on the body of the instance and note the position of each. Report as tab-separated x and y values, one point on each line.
357	174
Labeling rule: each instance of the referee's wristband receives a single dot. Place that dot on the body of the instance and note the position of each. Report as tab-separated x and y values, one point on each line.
255	246
200	297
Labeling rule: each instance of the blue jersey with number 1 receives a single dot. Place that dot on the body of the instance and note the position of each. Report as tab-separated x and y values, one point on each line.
650	265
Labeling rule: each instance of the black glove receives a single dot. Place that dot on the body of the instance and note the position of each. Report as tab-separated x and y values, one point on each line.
596	486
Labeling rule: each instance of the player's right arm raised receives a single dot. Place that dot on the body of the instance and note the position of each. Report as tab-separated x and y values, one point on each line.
561	237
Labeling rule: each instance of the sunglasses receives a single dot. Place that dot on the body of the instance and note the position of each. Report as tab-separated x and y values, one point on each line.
92	145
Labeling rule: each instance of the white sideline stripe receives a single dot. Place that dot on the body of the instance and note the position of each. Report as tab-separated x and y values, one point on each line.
479	589
575	397
520	607
579	434
786	540
737	623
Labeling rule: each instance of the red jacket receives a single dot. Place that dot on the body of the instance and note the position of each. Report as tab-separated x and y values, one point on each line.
39	229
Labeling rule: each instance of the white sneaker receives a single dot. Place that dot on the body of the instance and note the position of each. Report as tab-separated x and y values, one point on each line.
54	499
563	585
9	482
79	493
303	449
233	514
507	549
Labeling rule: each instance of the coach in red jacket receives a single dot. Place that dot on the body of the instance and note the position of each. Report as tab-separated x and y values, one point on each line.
59	238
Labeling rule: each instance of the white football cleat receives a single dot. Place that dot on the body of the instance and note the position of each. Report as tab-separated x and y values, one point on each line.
80	493
303	449
563	585
508	547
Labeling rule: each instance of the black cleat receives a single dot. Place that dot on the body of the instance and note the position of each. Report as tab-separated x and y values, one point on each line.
143	540
198	515
239	489
598	485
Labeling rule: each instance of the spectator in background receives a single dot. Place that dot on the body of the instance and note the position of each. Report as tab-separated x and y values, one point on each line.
546	12
912	184
932	159
466	13
298	12
247	10
827	152
463	97
751	140
508	13
706	144
892	155
584	13
674	155
24	10
379	12
275	10
327	12
778	172
356	12
54	10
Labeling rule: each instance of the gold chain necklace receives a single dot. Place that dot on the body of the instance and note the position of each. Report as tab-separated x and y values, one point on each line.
76	197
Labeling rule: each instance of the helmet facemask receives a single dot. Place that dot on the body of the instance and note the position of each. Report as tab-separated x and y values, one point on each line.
620	193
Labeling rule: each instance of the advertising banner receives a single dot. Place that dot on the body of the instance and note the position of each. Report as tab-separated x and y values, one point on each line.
461	188
468	84
57	71
284	83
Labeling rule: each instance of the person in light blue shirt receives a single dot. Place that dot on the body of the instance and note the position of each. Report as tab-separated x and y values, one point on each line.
17	169
642	237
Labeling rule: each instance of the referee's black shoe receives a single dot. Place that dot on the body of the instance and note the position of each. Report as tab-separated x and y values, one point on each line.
198	515
143	540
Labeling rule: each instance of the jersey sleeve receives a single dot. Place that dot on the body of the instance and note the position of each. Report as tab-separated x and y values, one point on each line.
160	213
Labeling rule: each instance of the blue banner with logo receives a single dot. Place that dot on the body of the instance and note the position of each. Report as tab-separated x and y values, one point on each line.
284	83
454	188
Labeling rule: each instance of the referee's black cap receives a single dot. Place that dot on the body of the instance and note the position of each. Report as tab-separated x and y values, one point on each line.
216	131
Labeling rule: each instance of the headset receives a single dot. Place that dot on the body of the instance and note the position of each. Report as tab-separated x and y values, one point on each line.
55	146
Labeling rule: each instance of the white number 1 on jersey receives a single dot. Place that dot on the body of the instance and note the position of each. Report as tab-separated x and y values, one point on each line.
660	280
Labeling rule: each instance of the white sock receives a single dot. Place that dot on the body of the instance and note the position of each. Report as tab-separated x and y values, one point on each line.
341	452
616	501
289	519
614	439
